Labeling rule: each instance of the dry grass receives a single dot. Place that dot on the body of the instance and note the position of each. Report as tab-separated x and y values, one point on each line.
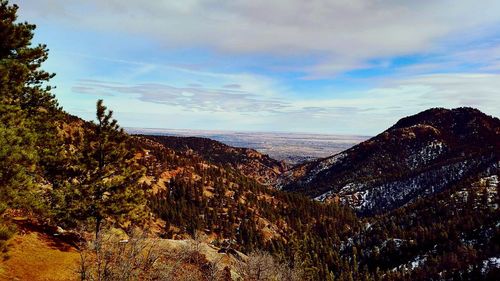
35	257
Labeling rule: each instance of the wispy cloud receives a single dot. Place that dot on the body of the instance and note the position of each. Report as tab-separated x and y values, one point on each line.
346	66
364	112
197	98
336	36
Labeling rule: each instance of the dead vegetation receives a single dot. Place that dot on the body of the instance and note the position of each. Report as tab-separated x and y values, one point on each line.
111	257
138	257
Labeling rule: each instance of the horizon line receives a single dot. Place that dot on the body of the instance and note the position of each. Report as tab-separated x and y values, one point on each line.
127	129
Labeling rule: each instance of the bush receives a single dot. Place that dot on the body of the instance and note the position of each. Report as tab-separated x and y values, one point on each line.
111	257
6	232
3	208
262	266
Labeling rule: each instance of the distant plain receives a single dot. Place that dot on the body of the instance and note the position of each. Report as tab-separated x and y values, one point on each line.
292	148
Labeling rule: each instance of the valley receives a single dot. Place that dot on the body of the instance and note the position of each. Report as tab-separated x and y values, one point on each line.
411	186
293	148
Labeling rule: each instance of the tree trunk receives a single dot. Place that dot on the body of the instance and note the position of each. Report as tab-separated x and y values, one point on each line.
97	227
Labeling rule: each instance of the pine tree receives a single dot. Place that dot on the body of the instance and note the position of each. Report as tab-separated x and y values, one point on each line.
26	108
17	159
108	184
21	79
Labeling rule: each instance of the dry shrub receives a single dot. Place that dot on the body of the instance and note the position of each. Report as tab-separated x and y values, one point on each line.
142	258
261	266
6	233
111	258
210	270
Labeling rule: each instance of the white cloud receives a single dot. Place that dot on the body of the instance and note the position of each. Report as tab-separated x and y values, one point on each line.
188	98
372	111
318	38
337	35
363	112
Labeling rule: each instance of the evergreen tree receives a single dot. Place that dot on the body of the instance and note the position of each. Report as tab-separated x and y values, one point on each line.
26	108
17	158
22	81
108	184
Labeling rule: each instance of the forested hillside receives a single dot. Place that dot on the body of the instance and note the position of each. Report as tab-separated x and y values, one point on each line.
250	162
420	155
420	241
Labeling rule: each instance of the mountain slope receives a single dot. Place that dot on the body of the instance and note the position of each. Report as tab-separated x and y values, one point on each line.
420	155
260	167
453	235
37	257
190	194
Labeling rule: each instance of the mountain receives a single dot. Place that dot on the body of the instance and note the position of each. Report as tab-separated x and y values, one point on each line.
249	162
452	235
420	155
293	148
448	235
189	194
192	189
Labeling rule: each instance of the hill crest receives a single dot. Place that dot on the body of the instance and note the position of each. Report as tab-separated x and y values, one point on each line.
420	155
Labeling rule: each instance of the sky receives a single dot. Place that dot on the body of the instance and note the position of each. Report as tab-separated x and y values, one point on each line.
317	66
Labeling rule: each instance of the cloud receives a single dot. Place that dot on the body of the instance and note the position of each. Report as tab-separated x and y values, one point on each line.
249	64
373	110
232	86
480	57
463	89
361	112
197	98
334	36
416	93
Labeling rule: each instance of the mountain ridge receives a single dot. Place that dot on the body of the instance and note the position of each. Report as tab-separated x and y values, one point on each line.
250	162
407	158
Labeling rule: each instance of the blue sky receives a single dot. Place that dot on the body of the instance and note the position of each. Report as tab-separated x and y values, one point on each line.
342	67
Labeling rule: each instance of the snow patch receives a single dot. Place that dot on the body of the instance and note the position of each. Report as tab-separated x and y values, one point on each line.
324	196
418	261
324	164
493	262
426	154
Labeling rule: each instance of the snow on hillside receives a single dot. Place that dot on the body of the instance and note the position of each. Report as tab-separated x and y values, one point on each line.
323	165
